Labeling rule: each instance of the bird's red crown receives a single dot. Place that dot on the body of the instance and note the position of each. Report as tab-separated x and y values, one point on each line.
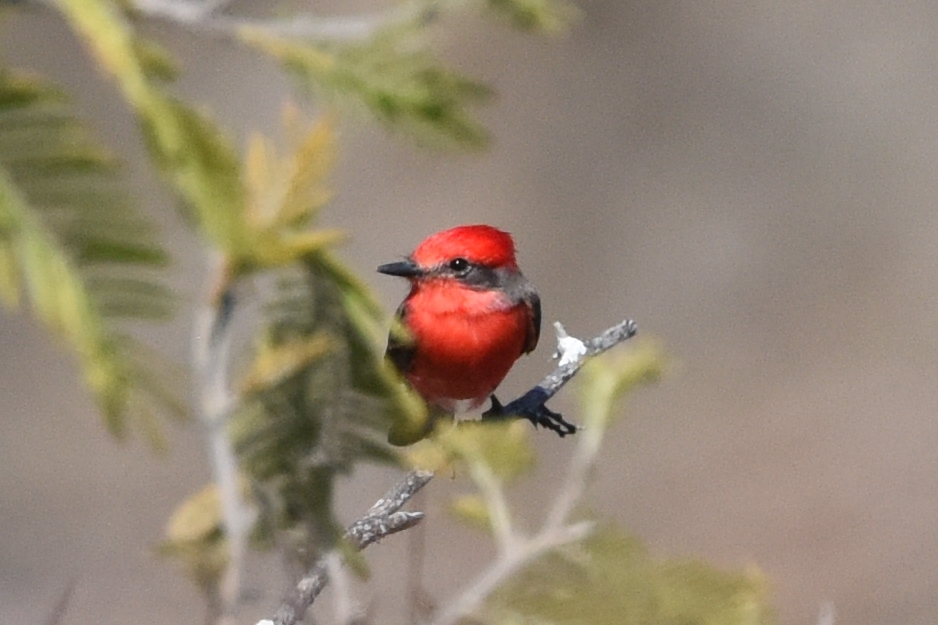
480	244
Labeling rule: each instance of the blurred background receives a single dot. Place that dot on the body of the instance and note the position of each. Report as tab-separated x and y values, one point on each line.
753	182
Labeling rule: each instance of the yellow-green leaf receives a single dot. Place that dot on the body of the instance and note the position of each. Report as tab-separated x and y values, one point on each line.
605	379
73	242
283	195
427	455
9	277
197	517
276	363
307	171
473	510
503	448
410	415
189	149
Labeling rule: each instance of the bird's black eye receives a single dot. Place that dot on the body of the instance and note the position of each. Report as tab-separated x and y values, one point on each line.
459	265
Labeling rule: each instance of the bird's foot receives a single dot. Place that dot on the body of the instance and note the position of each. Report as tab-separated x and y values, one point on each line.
531	406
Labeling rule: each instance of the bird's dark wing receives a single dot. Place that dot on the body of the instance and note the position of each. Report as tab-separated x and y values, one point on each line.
401	347
534	322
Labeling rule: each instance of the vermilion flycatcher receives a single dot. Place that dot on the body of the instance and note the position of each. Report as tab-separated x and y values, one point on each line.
470	315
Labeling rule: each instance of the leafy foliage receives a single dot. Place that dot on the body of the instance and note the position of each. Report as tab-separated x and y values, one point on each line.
406	89
185	144
606	380
611	578
548	16
319	397
86	257
195	538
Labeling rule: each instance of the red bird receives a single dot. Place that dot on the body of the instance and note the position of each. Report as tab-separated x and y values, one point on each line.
470	315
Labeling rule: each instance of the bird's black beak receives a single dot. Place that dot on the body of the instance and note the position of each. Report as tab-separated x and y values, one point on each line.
404	269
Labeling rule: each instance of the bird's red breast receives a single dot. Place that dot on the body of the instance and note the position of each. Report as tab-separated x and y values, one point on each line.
466	342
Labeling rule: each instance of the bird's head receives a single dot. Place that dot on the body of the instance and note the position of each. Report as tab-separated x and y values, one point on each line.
465	253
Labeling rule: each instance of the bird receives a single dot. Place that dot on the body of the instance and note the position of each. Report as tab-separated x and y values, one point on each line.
469	315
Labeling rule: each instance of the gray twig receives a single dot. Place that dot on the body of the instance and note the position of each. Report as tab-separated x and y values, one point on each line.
573	353
383	519
206	16
211	342
554	381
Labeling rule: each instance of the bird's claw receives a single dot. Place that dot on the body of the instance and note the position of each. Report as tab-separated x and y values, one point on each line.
534	410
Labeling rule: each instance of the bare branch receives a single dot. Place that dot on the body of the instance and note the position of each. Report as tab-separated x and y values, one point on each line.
573	354
595	346
507	565
211	341
383	519
205	16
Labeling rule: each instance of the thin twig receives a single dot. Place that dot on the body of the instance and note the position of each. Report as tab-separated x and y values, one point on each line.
555	380
211	346
573	354
383	519
206	16
507	565
499	515
417	543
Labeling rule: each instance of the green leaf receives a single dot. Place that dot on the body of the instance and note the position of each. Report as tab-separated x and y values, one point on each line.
543	16
195	538
83	254
611	578
473	510
604	380
406	89
297	434
502	449
185	144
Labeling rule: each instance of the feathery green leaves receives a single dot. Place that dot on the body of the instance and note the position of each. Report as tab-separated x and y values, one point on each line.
317	418
86	258
189	149
404	88
319	397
